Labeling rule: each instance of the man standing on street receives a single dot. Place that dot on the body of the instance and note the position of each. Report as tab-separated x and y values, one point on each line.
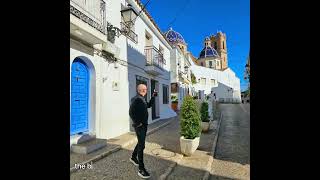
139	114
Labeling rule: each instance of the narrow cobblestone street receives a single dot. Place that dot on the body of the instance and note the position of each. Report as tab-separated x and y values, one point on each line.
117	165
162	150
232	157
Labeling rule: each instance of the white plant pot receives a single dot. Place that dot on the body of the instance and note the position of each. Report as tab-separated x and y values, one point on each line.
189	146
205	126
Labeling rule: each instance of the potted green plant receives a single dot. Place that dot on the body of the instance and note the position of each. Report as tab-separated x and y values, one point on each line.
174	103
204	116
190	126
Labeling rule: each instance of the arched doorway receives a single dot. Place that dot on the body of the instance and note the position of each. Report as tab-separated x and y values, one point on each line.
79	97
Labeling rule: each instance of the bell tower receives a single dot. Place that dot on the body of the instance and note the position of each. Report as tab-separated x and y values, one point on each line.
219	43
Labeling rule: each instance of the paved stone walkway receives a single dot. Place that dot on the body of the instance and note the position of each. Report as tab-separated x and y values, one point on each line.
112	143
232	157
162	150
156	155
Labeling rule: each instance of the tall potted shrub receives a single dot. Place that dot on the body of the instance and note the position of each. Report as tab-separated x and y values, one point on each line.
190	126
204	116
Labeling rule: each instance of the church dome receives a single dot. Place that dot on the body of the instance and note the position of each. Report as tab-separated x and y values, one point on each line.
208	51
174	37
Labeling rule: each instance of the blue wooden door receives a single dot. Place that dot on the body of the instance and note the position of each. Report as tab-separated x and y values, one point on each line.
79	98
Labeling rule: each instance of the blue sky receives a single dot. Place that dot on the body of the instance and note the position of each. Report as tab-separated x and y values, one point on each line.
196	19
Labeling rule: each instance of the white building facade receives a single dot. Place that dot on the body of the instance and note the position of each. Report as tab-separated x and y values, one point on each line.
149	63
181	85
225	84
104	71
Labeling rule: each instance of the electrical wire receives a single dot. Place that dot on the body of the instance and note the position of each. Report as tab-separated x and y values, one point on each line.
176	16
141	10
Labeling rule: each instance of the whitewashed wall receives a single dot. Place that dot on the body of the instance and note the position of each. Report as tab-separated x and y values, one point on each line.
226	77
137	61
105	117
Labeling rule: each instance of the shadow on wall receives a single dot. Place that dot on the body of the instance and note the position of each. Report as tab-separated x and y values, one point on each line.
136	66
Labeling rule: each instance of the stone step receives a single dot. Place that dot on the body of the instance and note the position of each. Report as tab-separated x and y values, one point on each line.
89	146
85	138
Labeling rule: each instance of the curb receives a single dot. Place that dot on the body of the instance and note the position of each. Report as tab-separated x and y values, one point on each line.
216	137
207	173
208	169
104	154
170	168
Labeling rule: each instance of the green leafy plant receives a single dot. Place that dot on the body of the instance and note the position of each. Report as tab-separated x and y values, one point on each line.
193	78
174	99
190	119
204	112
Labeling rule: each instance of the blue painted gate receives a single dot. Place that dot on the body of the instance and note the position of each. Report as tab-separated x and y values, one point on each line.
79	97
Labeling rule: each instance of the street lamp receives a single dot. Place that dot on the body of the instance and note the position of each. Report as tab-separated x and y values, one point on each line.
129	15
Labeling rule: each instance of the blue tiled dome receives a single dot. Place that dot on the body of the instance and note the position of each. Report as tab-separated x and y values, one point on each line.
174	37
208	51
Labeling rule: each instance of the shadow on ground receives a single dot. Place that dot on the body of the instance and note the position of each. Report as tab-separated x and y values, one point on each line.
118	166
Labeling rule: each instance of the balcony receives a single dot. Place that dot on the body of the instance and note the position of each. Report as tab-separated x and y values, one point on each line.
87	21
129	33
154	61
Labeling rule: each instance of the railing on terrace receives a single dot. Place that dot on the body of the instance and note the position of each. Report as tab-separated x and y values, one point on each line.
91	12
129	33
154	57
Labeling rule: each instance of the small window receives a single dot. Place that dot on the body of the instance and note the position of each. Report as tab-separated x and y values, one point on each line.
210	64
212	82
203	81
215	45
223	44
148	39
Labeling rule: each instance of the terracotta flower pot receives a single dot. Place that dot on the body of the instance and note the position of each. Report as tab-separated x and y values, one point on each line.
174	106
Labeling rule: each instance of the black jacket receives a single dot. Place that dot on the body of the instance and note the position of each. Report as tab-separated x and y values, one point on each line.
139	110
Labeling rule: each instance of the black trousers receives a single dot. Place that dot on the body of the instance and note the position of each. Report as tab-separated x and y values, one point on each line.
141	133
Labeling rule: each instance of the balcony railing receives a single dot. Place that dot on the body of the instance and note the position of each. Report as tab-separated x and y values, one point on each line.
129	33
90	12
154	57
